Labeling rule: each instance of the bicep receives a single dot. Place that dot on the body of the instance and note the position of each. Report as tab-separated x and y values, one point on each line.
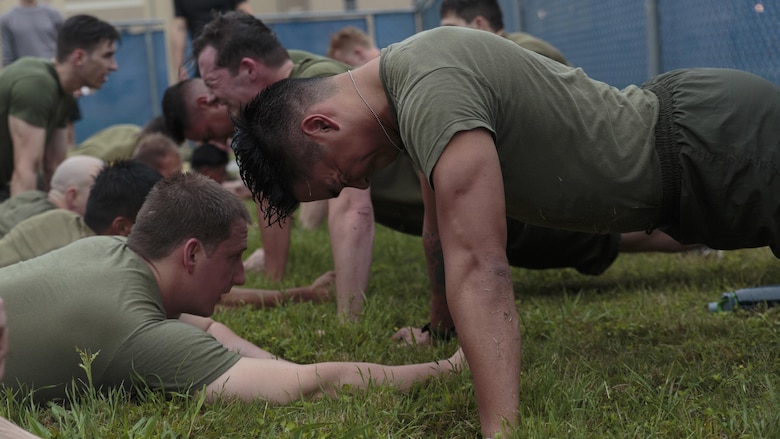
28	140
469	197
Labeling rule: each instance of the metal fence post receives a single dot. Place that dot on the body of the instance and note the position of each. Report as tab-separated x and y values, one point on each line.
653	38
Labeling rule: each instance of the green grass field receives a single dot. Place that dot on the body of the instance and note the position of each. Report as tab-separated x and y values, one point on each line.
629	354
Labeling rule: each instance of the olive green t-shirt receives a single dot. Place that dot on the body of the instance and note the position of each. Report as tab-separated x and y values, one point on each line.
309	65
98	296
575	153
537	45
22	206
116	142
41	234
30	90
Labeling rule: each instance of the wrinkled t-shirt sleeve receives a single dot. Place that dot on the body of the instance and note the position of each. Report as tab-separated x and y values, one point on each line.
171	355
439	105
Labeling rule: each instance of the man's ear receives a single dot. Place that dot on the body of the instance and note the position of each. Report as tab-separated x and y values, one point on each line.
78	56
314	125
249	66
70	196
479	22
121	226
202	101
191	254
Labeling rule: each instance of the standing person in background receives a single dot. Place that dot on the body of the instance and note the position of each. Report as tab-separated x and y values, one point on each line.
29	29
189	17
486	15
36	96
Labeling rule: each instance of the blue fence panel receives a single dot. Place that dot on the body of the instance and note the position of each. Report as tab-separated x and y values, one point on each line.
313	35
132	93
607	38
429	17
741	34
393	27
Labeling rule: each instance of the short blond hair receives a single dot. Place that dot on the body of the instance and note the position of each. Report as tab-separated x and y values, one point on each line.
347	38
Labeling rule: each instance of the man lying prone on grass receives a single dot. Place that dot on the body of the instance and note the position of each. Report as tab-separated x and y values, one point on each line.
121	297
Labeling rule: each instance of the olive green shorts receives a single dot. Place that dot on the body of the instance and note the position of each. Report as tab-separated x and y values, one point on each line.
718	141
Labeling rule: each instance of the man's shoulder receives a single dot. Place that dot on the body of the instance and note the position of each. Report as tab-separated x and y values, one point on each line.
34	199
309	65
53	13
60	220
537	45
23	198
11	13
116	142
28	69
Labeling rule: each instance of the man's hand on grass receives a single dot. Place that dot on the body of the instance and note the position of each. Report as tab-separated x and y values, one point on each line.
413	336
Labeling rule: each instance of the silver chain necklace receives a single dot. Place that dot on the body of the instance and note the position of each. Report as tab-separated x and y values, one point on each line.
372	111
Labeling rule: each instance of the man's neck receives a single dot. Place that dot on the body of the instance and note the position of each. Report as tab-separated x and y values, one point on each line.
56	198
286	69
65	76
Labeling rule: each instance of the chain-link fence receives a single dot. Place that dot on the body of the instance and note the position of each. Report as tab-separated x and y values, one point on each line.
620	42
625	42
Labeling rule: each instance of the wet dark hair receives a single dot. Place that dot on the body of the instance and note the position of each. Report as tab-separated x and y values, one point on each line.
83	32
271	151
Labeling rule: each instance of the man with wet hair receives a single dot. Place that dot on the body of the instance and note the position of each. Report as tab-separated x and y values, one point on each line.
692	153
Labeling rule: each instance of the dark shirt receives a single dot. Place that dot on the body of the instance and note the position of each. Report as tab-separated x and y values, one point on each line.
199	12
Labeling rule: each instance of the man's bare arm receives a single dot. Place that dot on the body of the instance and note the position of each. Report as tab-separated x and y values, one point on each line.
56	151
279	382
469	200
351	227
276	244
29	144
227	337
440	317
440	320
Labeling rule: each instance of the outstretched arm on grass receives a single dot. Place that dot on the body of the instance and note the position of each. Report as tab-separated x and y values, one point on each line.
223	334
281	383
318	291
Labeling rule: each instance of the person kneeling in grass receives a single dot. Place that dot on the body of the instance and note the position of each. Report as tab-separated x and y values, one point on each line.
122	297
